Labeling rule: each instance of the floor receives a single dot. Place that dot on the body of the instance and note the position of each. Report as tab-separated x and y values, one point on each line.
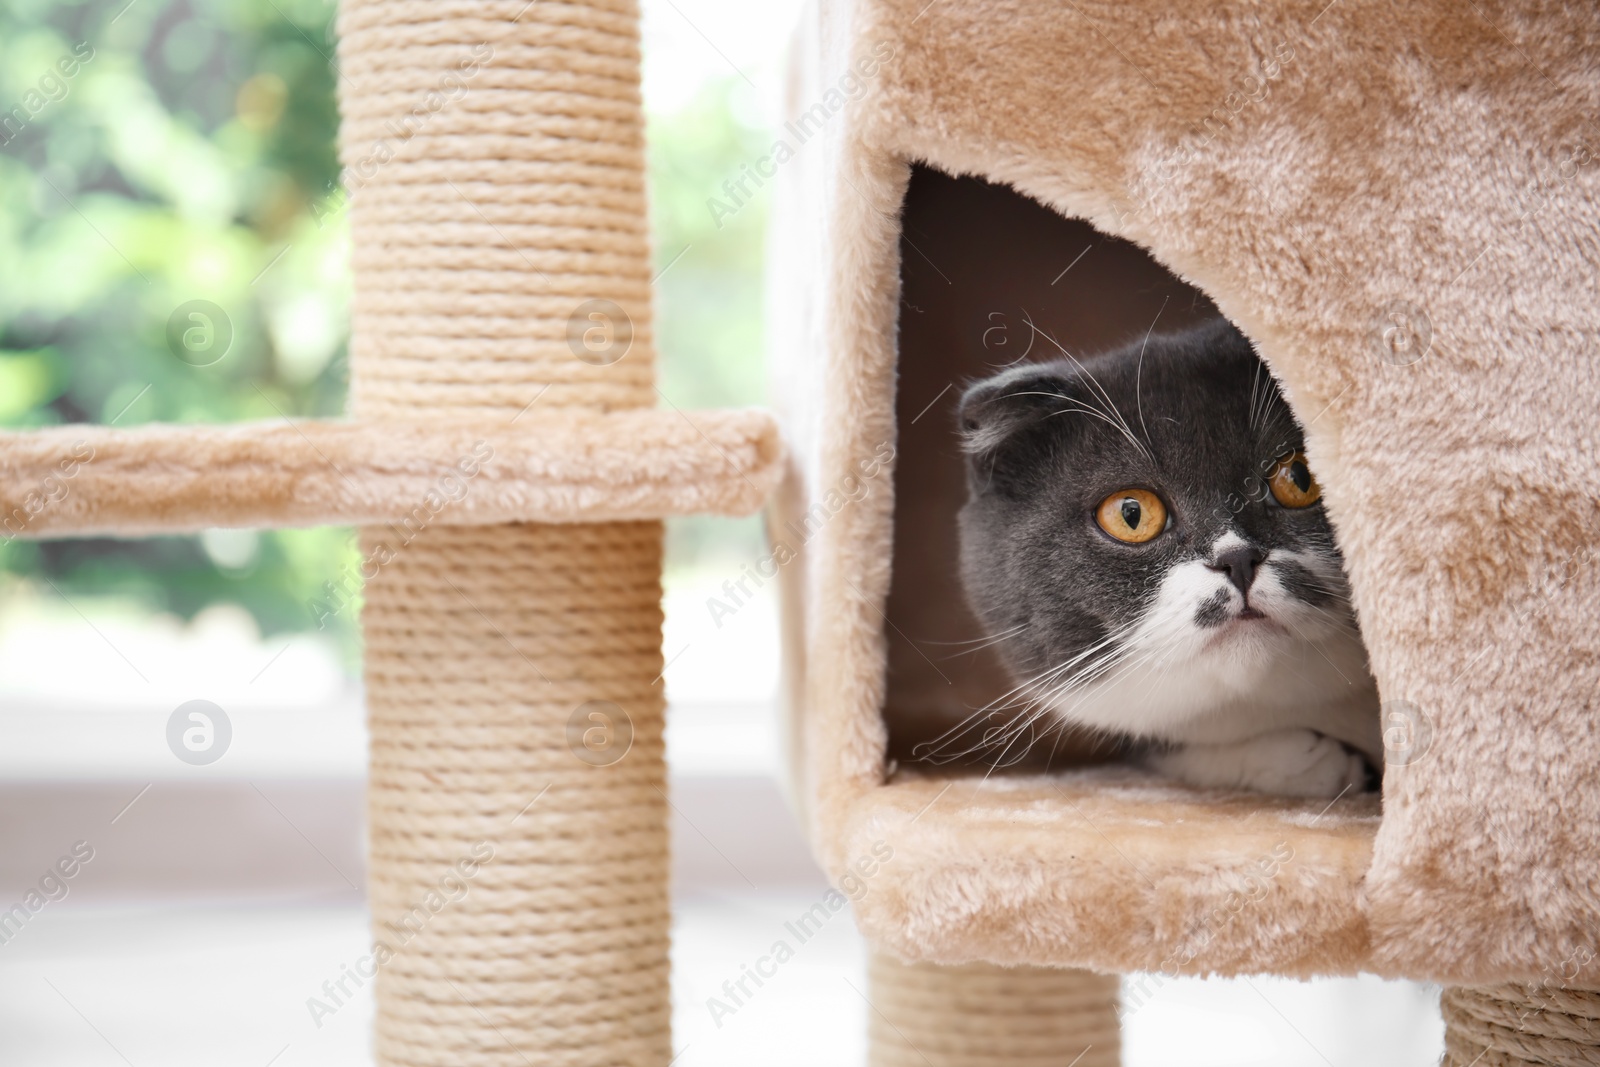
199	987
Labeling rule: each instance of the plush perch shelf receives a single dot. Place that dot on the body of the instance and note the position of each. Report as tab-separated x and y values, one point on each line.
552	466
1112	869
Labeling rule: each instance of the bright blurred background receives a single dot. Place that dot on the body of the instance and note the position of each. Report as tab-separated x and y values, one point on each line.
190	155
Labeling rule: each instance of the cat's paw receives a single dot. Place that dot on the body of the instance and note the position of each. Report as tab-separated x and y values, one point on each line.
1294	763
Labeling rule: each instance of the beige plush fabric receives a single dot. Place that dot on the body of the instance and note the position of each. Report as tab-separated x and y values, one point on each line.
547	466
1032	870
1399	205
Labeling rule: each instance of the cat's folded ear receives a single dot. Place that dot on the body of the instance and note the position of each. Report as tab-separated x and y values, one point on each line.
998	417
995	410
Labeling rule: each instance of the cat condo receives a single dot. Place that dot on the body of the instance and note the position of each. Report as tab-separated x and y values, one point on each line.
1397	206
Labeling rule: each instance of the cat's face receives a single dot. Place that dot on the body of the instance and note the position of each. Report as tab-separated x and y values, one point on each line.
1146	534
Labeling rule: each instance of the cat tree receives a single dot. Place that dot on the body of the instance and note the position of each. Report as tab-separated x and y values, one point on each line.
1398	205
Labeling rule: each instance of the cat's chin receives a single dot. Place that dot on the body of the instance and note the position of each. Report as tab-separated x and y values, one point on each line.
1248	677
1245	656
1252	628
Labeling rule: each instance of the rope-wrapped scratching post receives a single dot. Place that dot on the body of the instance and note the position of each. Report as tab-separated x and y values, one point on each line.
494	154
985	1016
1518	1026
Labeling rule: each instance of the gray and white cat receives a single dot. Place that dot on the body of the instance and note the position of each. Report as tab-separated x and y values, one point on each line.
1143	530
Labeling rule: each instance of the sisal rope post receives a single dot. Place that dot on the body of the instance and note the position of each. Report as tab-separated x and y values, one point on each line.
494	153
981	1015
1515	1025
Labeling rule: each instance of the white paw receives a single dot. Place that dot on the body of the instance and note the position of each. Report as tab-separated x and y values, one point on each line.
1294	763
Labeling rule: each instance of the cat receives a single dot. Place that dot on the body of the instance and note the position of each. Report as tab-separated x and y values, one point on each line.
1143	529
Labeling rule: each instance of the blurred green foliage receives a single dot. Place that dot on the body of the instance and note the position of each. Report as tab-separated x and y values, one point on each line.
190	155
709	291
177	162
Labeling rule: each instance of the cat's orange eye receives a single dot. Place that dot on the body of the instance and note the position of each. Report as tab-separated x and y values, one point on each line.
1132	515
1292	482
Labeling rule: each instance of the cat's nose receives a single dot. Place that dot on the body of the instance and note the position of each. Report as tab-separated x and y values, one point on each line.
1239	563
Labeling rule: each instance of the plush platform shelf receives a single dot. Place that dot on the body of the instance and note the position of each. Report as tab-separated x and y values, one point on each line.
546	466
1113	870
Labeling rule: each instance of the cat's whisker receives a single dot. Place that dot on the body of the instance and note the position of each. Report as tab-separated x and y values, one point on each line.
1255	387
1082	409
1023	729
1113	413
1319	650
1138	374
980	643
981	723
1274	411
1153	678
1116	667
1077	684
1054	688
1068	664
938	750
1059	678
1121	666
979	640
1024	726
1328	591
1261	400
